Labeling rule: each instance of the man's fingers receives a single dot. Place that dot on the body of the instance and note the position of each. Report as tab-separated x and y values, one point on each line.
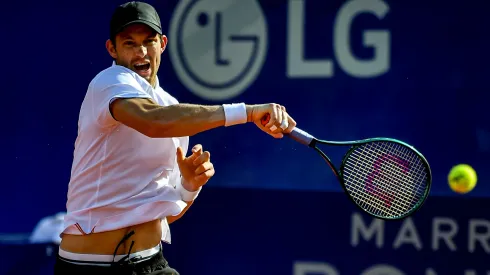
205	156
278	120
285	121
272	118
203	168
196	152
277	135
180	154
281	120
204	177
292	124
196	148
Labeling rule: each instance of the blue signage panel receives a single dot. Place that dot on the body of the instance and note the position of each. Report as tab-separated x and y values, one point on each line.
345	70
243	232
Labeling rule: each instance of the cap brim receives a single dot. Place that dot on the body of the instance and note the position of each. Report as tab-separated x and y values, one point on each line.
140	21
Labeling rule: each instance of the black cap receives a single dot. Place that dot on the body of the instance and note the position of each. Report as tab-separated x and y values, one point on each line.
134	12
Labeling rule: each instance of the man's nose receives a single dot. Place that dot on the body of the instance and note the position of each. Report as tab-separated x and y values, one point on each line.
141	51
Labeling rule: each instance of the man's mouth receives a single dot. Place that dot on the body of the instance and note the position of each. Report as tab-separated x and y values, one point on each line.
142	68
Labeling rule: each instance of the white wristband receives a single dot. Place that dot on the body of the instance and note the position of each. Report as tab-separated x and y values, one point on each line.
235	114
185	194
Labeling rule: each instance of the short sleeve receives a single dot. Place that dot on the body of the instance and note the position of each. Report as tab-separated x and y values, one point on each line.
107	87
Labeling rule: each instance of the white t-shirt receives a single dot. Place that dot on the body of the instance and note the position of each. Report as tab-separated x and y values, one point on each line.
119	176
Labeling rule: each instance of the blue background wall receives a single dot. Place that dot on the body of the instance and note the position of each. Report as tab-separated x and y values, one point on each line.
269	197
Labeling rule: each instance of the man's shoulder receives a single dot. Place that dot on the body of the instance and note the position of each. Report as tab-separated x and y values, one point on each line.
172	99
113	75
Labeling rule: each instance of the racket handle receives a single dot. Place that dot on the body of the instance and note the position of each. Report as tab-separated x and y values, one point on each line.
297	134
301	136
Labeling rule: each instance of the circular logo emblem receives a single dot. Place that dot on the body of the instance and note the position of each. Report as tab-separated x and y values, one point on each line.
218	47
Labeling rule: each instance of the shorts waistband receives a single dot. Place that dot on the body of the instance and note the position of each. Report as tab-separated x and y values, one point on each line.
105	260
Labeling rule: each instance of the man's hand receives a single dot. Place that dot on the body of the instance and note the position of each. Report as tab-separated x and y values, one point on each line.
279	121
196	169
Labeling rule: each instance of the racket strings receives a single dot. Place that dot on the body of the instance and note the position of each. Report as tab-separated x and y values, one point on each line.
385	178
375	204
395	177
384	197
379	200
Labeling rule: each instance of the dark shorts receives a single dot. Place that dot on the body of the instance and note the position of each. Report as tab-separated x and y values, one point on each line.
157	265
137	264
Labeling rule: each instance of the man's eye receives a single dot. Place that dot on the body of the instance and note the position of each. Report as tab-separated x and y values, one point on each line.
129	43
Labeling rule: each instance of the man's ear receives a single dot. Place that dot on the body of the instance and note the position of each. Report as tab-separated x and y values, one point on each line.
163	42
111	48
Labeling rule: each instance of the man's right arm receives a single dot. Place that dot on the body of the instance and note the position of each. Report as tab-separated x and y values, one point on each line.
153	120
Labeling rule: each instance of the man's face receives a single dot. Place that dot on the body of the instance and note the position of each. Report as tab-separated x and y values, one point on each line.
139	49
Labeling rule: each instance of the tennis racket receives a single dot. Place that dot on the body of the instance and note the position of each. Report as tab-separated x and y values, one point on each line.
384	177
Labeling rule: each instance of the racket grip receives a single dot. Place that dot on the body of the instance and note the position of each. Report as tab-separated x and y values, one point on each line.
297	134
301	136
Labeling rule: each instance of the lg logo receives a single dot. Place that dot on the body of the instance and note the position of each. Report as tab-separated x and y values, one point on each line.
379	40
218	47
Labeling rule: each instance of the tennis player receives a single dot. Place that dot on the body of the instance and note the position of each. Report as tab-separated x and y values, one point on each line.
131	176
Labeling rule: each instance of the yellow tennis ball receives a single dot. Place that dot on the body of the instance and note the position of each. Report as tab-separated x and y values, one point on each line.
462	178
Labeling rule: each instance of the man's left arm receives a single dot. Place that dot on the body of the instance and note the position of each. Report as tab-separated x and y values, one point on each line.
196	170
171	219
188	199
